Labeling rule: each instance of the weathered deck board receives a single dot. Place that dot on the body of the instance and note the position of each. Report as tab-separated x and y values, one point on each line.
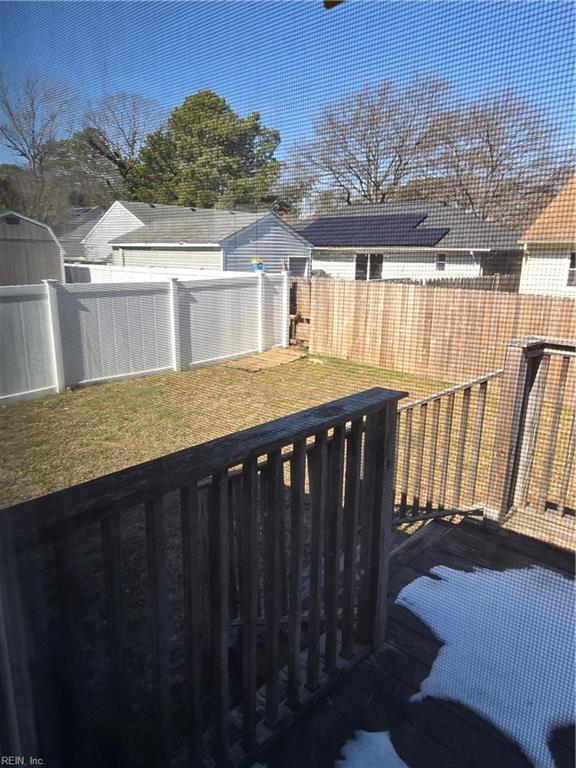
375	696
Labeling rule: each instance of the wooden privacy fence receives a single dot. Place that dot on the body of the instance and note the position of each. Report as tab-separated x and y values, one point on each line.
498	282
444	333
188	607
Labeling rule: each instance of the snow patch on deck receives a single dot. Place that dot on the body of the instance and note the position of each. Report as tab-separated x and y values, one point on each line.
370	750
507	654
508	651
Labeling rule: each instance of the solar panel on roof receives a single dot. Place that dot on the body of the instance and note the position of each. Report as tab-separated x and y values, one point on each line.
388	230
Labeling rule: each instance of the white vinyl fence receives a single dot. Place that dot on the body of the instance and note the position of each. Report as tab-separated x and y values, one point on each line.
115	273
54	336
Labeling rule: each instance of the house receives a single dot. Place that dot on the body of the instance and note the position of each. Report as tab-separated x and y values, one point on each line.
29	251
146	234
72	231
549	264
405	239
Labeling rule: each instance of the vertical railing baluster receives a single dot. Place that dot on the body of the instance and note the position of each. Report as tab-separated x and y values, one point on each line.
333	544
273	494
419	459
297	480
567	473
159	623
350	527
318	480
552	441
218	538
461	448
477	442
433	449
249	594
446	452
406	461
192	579
116	629
233	502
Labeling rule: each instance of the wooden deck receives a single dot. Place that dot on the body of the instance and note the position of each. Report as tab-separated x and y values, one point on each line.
375	695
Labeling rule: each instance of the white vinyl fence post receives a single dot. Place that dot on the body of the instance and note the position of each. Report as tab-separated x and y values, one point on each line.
285	310
175	324
260	277
55	338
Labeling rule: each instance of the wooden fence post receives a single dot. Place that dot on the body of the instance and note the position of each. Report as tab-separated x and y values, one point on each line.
175	324
56	340
520	368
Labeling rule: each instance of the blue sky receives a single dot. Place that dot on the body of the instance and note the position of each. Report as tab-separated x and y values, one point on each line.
284	59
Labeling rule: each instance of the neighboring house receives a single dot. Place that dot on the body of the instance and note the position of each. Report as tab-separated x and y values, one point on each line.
420	240
29	251
71	232
146	234
550	247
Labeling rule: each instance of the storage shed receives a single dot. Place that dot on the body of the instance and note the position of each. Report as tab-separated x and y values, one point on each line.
29	251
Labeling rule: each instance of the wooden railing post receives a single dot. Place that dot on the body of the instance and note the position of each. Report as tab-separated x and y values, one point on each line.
521	365
380	451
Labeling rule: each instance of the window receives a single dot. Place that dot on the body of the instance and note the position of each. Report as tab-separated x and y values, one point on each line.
440	262
572	271
12	220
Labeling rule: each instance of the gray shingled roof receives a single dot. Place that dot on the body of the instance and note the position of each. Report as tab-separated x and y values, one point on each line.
74	229
464	230
171	224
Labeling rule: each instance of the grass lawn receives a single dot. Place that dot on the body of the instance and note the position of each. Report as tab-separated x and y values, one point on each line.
65	439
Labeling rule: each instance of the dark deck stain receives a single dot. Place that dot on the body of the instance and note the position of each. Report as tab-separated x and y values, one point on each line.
375	696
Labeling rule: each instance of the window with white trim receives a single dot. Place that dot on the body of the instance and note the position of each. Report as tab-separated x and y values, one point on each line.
440	262
572	271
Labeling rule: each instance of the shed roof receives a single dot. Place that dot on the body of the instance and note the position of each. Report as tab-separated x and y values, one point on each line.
557	222
170	224
417	224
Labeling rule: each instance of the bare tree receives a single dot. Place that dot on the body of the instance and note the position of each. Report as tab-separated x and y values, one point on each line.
372	142
117	124
499	159
34	115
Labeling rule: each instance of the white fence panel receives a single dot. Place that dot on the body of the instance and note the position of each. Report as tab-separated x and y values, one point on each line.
275	311
55	336
113	273
218	320
116	330
26	368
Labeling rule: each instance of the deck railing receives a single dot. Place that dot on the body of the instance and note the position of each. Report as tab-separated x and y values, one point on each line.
186	608
442	442
535	442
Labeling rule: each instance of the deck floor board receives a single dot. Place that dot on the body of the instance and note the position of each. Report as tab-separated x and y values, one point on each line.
375	695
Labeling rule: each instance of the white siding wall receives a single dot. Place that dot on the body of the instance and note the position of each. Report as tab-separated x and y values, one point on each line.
267	239
335	265
115	222
28	253
187	257
546	271
414	264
